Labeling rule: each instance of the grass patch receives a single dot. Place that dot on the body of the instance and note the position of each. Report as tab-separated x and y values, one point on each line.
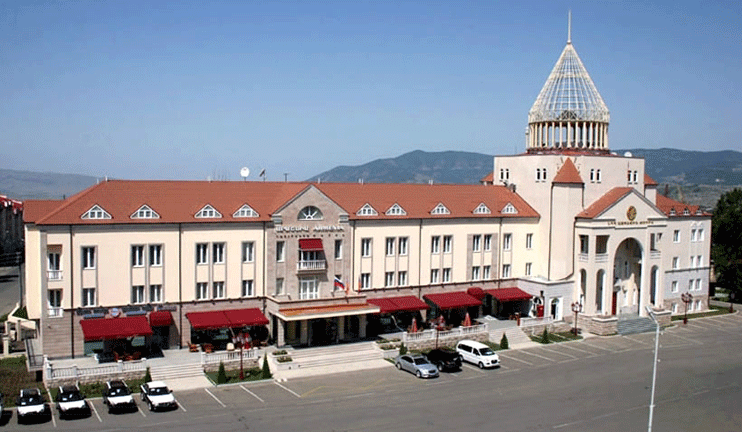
233	376
714	311
14	377
558	337
95	390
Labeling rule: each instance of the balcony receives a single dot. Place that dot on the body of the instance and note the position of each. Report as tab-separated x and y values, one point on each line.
55	312
54	275
311	266
655	254
601	258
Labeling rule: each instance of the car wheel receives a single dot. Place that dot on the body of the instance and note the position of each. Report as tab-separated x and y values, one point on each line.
481	365
440	366
399	366
150	406
418	374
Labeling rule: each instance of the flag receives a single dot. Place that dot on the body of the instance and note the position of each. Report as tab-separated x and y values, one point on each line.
340	285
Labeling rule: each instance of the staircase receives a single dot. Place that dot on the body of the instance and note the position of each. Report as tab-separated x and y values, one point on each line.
177	371
330	359
516	337
633	324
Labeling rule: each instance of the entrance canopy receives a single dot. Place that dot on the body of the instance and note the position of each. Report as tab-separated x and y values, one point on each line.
311	244
160	318
226	318
399	304
477	293
313	312
509	294
115	328
453	300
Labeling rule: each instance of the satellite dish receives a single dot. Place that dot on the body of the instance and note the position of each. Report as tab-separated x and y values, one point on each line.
627	154
244	172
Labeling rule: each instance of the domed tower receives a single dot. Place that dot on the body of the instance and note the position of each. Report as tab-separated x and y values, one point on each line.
569	114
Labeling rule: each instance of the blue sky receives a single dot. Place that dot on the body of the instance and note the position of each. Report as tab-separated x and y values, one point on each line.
187	90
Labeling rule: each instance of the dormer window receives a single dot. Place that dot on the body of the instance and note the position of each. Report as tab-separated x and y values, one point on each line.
245	212
309	213
686	212
482	209
672	212
509	209
440	209
396	210
208	212
366	210
145	212
96	212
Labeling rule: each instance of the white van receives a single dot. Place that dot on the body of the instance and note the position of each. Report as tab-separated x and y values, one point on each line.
477	353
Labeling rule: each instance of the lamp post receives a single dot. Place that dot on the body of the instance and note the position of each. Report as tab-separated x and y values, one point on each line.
575	309
654	367
687	298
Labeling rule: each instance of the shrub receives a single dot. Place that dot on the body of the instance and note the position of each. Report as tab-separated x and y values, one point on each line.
279	352
221	377
284	359
504	342
402	349
266	368
545	336
147	376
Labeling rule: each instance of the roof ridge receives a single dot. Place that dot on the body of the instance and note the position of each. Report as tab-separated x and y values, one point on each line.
71	200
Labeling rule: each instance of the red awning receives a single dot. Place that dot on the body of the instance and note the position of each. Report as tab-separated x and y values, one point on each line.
115	328
453	300
160	318
226	318
509	294
312	244
477	293
399	304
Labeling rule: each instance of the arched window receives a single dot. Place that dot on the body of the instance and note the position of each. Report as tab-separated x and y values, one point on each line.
310	213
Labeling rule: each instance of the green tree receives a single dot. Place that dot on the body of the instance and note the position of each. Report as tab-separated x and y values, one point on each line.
726	240
221	376
504	342
266	368
147	376
545	336
402	349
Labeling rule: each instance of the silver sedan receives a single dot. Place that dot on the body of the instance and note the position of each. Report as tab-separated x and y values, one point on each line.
416	364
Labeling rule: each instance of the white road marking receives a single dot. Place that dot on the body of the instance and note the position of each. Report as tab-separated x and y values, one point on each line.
536	355
141	411
592	354
215	398
95	411
559	353
288	389
635	340
253	394
180	405
517	359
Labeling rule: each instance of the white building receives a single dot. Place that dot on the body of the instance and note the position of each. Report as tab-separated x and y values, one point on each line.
184	261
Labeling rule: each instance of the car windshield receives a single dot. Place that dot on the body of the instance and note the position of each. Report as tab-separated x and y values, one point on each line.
70	396
486	351
420	361
31	400
157	391
118	391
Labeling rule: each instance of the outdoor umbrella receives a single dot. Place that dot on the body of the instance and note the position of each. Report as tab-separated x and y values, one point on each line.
414	325
467	320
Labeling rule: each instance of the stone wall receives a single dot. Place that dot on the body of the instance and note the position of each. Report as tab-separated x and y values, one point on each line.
247	364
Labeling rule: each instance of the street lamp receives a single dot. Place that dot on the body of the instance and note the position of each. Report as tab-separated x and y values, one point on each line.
687	298
575	309
654	367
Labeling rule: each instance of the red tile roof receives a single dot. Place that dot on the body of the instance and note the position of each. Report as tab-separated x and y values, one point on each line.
673	208
649	181
568	173
179	201
489	178
604	202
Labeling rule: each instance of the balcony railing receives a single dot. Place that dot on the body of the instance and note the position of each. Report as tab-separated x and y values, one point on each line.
54	275
55	312
655	254
601	258
313	265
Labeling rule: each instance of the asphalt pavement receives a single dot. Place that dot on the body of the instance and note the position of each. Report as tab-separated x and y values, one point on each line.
9	289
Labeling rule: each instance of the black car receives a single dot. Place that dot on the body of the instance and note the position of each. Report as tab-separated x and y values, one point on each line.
444	359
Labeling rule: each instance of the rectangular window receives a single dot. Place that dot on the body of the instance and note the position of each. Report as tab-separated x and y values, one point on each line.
434	275
366	247
447	243
88	297
699	261
218	253
389	279
403	246
676	236
529	241
365	280
202	253
308	288
219	290
653	246
507	241
248	288
690	285
506	270
488	242
338	249
248	252
435	244
447	274
54	297
601	244
280	251
202	291
390	243
674	286
699	285
700	234
88	257
692	261
137	256
475	273
675	263
487	272
674	308
137	294
693	235
54	269
584	244
476	243
402	278
155	255
155	293
279	287
529	267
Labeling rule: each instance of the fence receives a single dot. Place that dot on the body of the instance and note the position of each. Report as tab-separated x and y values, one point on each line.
76	373
427	335
226	356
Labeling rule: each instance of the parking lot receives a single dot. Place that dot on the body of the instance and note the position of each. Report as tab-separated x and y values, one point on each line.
211	406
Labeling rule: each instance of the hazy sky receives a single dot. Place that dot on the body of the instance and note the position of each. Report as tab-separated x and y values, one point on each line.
187	90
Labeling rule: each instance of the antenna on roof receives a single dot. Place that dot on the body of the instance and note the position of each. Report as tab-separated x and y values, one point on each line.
285	177
262	174
244	173
569	28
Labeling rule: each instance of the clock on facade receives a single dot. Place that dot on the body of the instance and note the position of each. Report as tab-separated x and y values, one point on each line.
631	213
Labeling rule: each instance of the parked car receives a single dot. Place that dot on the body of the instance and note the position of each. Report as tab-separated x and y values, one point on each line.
117	396
71	402
444	359
157	396
31	405
416	364
477	353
